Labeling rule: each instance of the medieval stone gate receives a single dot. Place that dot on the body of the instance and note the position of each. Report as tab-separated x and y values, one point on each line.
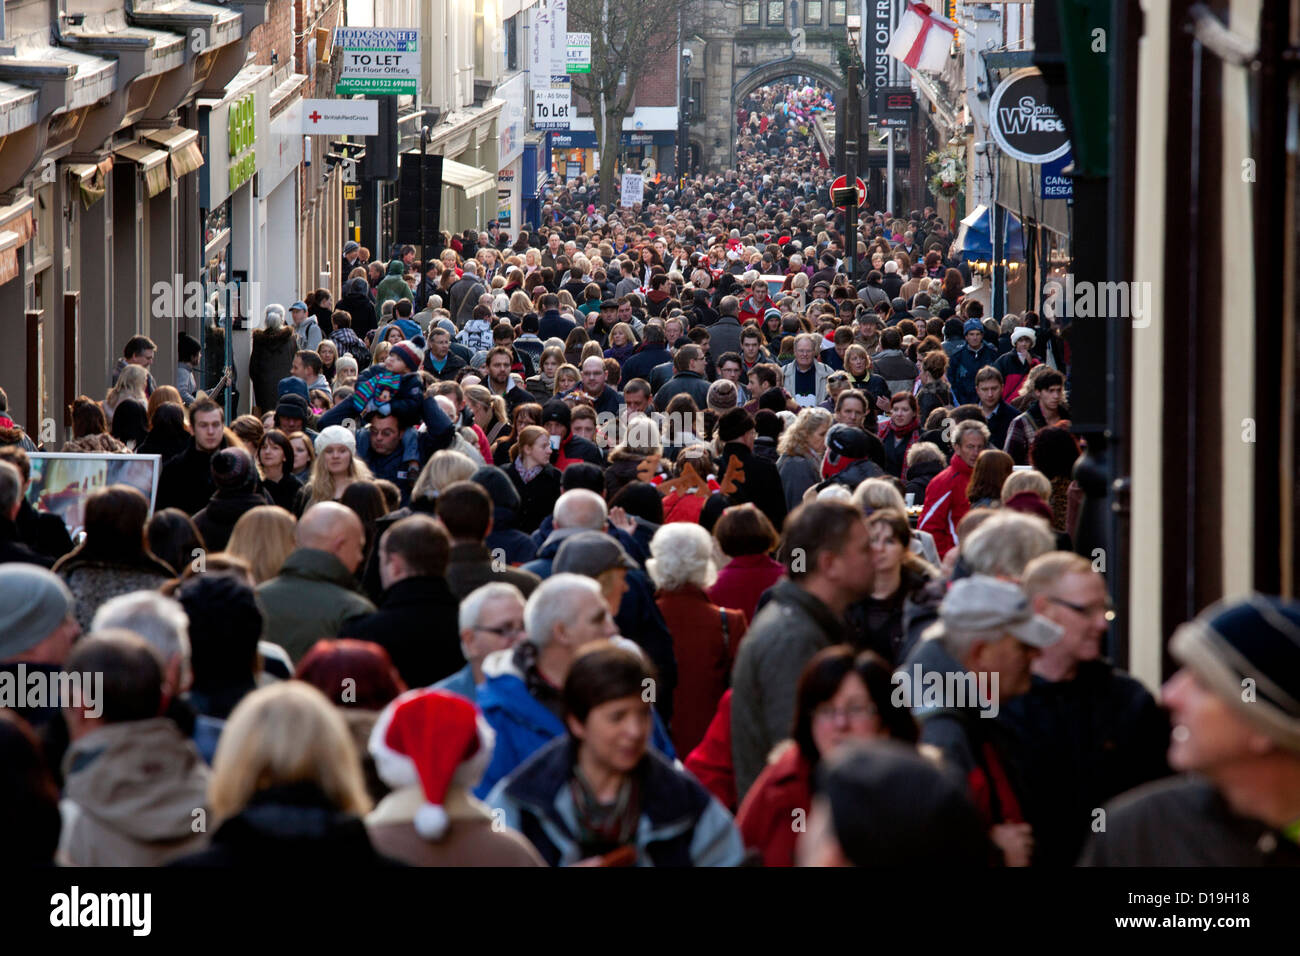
739	45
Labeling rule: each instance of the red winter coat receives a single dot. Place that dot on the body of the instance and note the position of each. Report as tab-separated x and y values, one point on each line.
704	652
710	762
766	818
742	581
946	504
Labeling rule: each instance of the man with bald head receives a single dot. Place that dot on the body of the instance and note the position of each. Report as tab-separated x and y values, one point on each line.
316	590
605	399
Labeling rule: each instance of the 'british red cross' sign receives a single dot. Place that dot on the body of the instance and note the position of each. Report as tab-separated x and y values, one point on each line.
340	117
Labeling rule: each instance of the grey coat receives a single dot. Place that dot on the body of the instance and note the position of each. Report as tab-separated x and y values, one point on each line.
798	474
786	633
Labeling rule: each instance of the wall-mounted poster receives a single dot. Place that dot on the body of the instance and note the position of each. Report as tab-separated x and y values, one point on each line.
61	482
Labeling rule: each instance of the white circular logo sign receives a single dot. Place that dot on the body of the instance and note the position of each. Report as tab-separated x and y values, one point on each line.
1024	123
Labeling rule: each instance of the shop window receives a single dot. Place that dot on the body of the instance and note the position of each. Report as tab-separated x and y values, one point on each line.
776	13
748	13
839	8
512	43
812	12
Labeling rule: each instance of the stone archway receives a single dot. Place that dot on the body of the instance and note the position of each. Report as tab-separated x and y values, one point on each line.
776	69
724	154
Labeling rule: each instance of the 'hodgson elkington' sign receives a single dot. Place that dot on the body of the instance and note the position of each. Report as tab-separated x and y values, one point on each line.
378	60
1024	123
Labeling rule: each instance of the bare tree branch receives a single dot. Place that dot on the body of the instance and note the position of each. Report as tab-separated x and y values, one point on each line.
629	38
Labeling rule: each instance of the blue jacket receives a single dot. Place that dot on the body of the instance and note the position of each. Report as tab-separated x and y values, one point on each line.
554	325
681	824
642	363
462	683
522	725
963	368
516	544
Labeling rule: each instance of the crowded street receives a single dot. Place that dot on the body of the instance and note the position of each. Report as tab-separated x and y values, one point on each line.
799	473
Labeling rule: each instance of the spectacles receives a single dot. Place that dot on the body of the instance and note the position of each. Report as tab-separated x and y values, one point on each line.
853	712
1087	610
506	630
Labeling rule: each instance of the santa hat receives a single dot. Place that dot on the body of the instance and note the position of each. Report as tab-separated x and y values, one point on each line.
432	739
412	353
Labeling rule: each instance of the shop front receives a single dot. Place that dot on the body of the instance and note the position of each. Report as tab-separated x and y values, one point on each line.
235	244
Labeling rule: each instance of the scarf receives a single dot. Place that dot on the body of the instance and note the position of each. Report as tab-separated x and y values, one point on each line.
603	827
527	474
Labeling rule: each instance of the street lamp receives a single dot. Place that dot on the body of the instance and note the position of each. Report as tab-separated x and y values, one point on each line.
853	109
683	132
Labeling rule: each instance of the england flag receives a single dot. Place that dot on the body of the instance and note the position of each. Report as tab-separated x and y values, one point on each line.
923	39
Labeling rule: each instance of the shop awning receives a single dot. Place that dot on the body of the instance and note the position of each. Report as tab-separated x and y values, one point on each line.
182	146
9	243
473	181
152	163
92	180
974	239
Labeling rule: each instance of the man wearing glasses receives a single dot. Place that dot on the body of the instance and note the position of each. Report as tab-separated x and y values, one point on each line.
1087	730
491	619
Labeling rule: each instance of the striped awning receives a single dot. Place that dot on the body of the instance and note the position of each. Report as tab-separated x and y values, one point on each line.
9	245
92	180
182	146
152	164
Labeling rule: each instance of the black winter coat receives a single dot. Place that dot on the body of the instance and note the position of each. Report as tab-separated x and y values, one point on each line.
537	497
270	360
416	623
362	310
186	481
294	825
217	519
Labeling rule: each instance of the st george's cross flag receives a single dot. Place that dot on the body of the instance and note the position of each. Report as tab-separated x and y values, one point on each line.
923	39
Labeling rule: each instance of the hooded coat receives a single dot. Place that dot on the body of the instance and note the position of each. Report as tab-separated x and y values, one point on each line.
216	520
392	286
270	360
129	796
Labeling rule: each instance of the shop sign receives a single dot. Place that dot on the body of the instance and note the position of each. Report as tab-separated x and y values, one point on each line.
241	135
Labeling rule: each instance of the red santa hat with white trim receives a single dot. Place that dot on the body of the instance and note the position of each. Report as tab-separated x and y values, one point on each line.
435	740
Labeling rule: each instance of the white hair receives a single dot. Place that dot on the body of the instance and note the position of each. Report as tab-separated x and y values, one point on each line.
561	597
580	508
1003	545
470	268
681	554
835	493
471	606
345	361
161	621
273	317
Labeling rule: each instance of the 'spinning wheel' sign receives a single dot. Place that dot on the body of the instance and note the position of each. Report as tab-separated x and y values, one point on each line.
1024	123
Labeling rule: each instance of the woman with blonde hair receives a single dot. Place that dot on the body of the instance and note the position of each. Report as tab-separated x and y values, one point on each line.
345	372
380	352
520	305
444	468
263	537
304	456
336	467
800	450
489	411
542	385
879	494
567	377
132	383
591	350
287	786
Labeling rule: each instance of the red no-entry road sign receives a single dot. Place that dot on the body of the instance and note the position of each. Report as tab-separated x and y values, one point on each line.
842	182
